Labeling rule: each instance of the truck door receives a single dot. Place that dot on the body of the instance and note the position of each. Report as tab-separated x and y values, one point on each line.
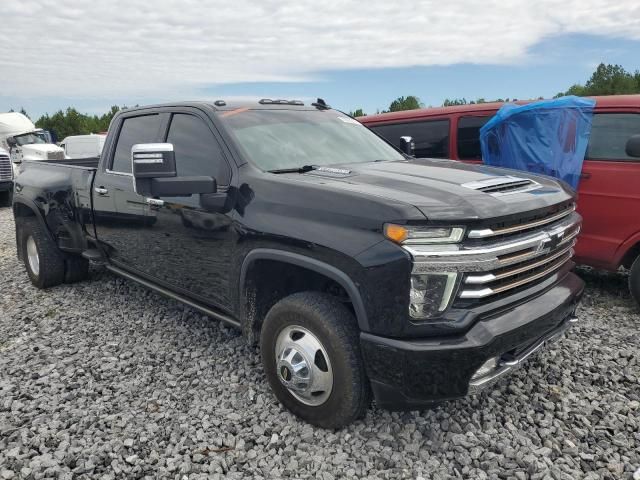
120	214
187	247
609	197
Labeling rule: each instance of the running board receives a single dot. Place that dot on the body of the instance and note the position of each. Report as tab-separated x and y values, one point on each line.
168	293
93	254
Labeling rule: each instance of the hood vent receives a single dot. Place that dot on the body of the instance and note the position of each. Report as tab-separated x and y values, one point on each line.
503	185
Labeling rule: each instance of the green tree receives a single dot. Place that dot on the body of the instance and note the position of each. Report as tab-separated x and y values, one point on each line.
105	119
607	80
72	122
409	102
463	101
454	102
358	112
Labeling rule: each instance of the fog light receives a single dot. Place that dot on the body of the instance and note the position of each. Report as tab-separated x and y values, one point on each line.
486	368
430	294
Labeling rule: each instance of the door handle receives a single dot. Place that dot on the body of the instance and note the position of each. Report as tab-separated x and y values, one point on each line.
101	190
154	202
585	175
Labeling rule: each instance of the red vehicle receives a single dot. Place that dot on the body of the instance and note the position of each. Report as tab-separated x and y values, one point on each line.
609	191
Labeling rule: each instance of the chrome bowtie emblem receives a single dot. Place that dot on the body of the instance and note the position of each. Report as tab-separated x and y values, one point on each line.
551	243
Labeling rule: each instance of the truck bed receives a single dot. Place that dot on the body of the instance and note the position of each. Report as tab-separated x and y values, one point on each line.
64	190
91	162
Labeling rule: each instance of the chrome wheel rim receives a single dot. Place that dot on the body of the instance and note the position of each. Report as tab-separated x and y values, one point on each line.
32	256
303	366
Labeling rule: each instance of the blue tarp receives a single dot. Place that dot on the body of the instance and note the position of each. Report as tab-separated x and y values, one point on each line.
548	137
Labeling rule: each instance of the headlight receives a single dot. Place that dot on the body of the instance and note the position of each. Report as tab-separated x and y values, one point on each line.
412	235
431	293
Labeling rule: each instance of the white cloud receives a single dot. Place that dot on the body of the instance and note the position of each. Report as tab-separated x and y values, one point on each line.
118	47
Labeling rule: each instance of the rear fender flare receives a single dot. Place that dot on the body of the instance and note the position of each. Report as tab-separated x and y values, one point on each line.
37	213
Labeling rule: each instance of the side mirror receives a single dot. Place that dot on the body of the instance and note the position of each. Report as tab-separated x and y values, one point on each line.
153	166
153	160
407	145
11	142
633	146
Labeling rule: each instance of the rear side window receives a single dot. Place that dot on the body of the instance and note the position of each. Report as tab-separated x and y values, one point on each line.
144	129
197	150
431	138
469	137
609	135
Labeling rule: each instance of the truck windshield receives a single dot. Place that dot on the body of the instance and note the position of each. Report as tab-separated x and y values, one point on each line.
31	138
289	139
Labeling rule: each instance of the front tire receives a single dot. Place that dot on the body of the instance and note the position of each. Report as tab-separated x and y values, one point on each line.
42	258
311	356
634	280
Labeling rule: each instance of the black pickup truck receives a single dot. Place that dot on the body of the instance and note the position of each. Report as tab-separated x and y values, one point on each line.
360	270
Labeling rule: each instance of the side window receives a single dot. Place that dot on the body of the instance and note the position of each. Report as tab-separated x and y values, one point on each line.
431	138
609	135
196	149
144	129
469	137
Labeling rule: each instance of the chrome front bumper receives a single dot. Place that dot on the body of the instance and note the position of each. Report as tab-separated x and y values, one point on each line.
507	364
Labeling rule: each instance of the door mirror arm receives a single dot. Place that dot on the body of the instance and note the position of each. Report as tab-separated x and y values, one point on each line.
218	202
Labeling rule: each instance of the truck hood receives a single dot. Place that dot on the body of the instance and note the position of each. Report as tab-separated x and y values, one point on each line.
40	151
447	190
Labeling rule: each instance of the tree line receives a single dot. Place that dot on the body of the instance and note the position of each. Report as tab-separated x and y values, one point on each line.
72	122
605	80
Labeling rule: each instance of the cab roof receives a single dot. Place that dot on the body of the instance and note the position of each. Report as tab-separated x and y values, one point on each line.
258	104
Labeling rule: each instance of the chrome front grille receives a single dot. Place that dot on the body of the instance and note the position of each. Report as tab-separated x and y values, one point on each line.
6	172
521	227
515	276
517	256
59	155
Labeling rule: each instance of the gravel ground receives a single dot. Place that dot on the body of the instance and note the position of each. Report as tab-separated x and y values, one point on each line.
105	379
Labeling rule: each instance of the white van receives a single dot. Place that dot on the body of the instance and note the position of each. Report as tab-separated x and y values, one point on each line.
83	146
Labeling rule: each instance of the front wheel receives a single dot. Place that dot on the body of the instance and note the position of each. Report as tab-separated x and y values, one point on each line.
311	356
634	280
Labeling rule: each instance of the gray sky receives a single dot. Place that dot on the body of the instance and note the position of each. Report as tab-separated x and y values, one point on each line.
70	49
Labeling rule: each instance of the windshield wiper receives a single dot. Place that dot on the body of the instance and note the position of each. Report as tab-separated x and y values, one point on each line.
302	169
